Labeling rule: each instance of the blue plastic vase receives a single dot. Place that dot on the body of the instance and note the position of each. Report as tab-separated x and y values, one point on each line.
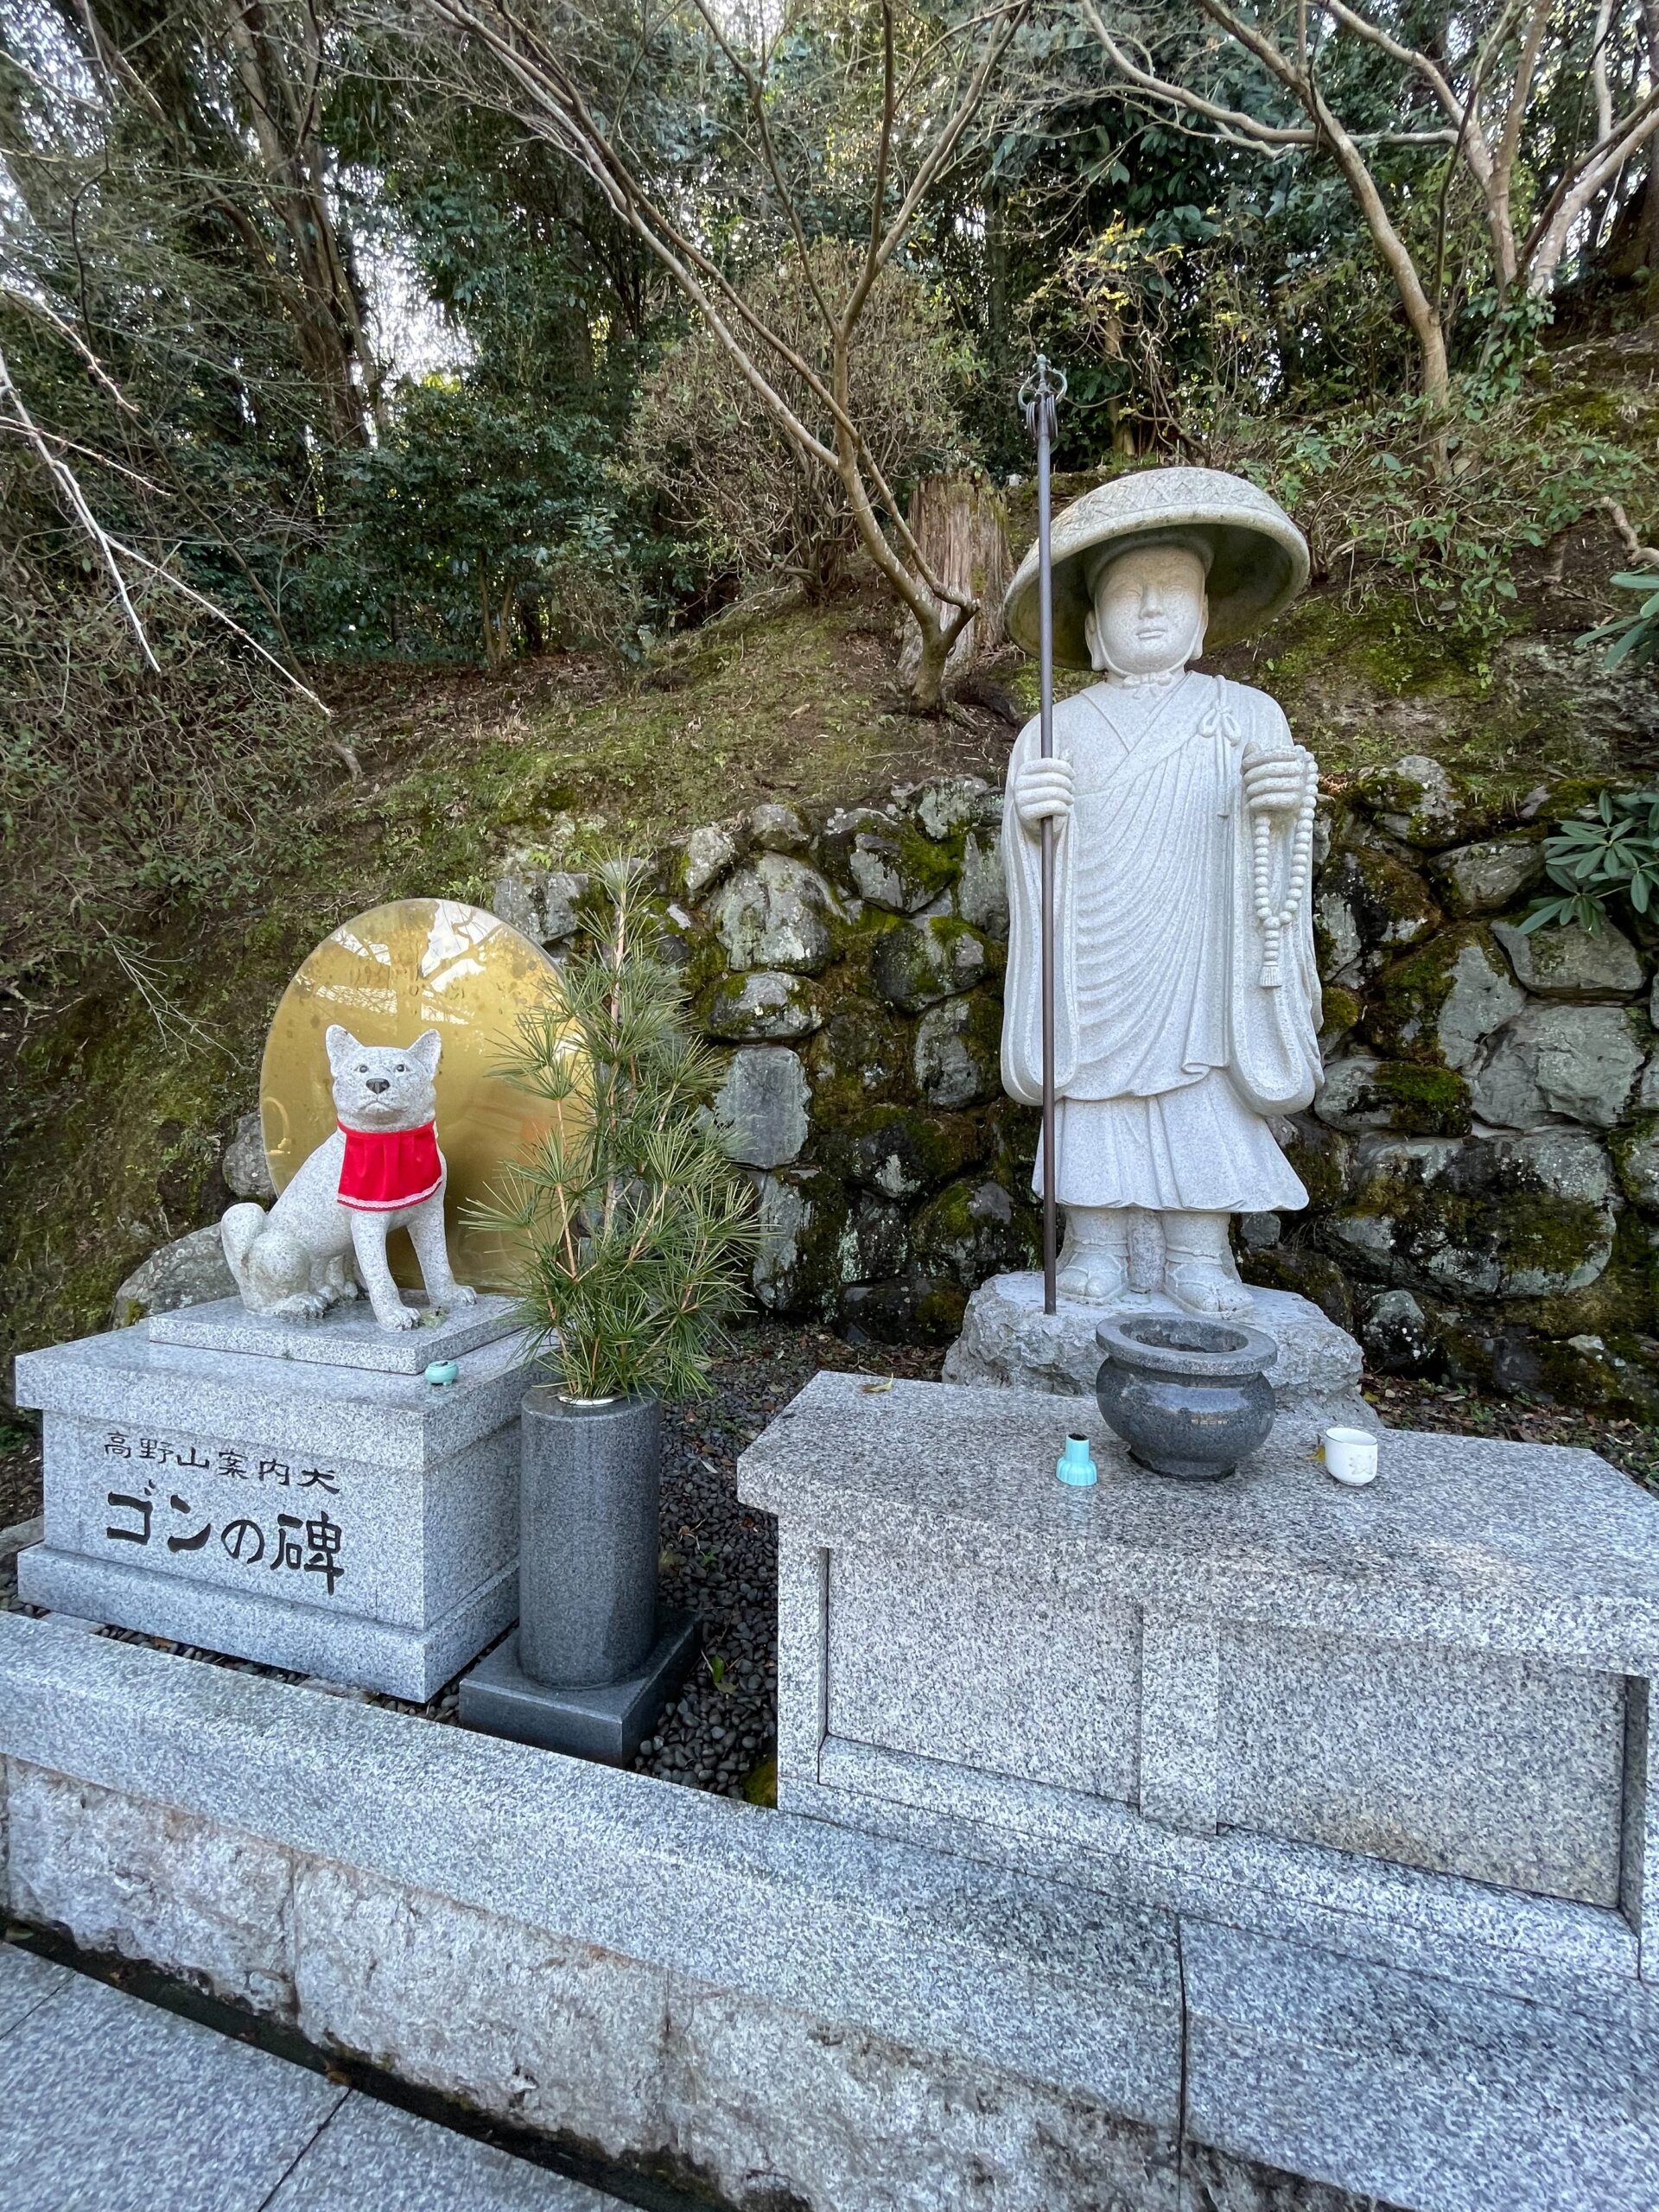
1076	1464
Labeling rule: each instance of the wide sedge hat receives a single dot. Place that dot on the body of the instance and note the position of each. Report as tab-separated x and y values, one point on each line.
1258	558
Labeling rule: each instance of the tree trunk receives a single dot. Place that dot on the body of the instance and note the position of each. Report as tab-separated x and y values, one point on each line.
328	322
961	525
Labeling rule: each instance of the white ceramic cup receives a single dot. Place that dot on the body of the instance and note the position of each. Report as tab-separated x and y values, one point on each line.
1351	1456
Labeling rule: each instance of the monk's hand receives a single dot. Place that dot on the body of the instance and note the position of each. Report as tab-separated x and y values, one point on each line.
1042	793
1276	783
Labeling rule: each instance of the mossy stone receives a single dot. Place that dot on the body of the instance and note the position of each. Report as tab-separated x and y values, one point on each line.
958	1051
768	1005
860	1055
974	1229
915	965
1424	1102
1572	963
875	1240
775	913
1390	903
803	1217
1544	1245
901	1151
1439	1003
912	1309
890	862
1309	1273
1013	1131
955	803
1484	878
1460	1218
1635	1155
1363	1094
1341	1013
1423	803
709	853
1610	1374
1322	1157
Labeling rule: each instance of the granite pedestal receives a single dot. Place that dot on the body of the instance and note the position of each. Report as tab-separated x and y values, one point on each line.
604	1720
295	1494
1410	1722
1006	1338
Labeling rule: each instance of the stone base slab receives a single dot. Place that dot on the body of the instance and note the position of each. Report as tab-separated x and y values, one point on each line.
1007	1338
346	1336
406	1662
605	1721
775	2009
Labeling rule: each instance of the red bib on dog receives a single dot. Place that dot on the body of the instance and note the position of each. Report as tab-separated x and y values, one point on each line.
384	1169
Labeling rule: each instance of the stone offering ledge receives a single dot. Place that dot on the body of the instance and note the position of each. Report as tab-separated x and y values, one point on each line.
1409	1722
1510	1547
772	2005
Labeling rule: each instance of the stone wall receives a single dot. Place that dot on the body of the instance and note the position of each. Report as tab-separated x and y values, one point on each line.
1484	1159
776	2014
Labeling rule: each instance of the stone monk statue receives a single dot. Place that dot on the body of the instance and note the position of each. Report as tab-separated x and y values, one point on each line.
1187	1004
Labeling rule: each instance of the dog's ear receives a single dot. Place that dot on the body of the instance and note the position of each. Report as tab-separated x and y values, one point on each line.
426	1049
337	1042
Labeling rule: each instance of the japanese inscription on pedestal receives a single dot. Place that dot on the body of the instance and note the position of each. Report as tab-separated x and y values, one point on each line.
149	1509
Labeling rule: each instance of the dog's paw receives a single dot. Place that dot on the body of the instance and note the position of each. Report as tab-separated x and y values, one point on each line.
460	1294
398	1316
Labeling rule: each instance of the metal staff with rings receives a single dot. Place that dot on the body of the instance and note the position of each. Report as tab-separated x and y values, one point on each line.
1040	396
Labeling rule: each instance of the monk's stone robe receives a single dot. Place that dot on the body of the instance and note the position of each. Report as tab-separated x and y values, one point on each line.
1171	1054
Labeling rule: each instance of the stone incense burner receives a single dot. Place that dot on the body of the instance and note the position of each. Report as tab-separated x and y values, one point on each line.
1189	1396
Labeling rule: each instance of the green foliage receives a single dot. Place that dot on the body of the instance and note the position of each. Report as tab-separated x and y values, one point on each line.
475	518
639	1230
1614	854
1635	637
1445	506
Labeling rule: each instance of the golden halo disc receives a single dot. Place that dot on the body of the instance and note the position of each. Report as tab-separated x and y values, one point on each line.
415	964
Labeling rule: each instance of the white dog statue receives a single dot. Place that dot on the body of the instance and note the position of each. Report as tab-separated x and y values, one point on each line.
381	1170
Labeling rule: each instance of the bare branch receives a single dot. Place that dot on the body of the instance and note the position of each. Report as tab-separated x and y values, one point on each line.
1645	557
28	301
1233	119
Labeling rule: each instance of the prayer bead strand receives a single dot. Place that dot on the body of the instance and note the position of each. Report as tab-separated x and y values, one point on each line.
1273	924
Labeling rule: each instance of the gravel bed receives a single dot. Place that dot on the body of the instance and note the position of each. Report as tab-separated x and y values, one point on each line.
1408	1402
719	1559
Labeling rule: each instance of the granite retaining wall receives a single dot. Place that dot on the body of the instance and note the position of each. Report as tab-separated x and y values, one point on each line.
792	2017
1484	1159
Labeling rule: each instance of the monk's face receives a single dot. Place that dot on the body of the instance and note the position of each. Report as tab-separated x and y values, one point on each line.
1149	613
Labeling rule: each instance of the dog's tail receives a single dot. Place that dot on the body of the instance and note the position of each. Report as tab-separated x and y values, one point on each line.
237	1231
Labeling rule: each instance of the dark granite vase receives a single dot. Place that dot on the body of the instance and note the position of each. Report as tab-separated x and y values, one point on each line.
1188	1397
587	1537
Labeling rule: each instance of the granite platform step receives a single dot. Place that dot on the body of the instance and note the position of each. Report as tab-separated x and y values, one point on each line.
112	2105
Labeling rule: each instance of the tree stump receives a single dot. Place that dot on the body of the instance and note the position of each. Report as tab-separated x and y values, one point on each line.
960	521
